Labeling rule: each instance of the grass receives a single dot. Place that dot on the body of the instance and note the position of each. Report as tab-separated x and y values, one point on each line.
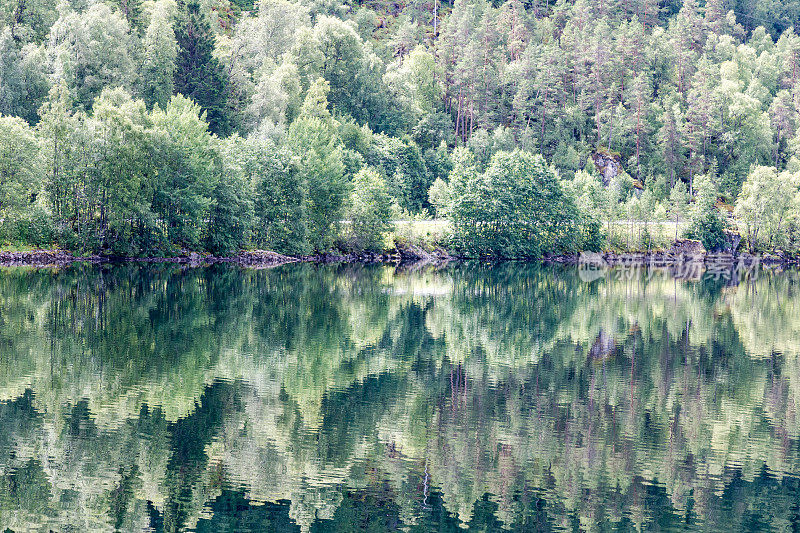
622	236
427	234
16	247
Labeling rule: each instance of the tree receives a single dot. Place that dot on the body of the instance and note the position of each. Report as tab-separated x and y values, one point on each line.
670	139
678	201
277	97
783	116
231	212
198	74
765	205
318	152
440	197
186	159
639	102
370	211
280	195
517	208
402	162
706	223
20	172
28	20
64	144
415	83
91	51
132	11
117	218
335	52
23	78
160	55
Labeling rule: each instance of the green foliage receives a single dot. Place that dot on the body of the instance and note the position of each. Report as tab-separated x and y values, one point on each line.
28	20
334	51
708	228
91	51
665	93
402	161
160	56
369	212
440	197
20	182
279	194
23	77
186	163
231	212
517	208
198	74
706	224
20	166
766	207
318	151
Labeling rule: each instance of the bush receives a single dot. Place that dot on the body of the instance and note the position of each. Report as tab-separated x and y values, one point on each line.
708	229
370	212
516	209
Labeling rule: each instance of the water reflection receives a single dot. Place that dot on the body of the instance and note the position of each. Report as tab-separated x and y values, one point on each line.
309	398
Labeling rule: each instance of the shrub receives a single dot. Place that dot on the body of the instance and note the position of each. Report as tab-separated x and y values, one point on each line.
370	211
515	209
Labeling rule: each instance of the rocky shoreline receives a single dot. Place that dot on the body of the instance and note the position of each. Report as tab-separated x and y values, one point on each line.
250	258
681	252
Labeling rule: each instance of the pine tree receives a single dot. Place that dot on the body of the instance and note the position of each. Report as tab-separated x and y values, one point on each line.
199	75
783	118
639	101
132	11
670	139
699	113
716	10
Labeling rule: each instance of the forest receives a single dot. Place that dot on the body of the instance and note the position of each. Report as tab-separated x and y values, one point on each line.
157	127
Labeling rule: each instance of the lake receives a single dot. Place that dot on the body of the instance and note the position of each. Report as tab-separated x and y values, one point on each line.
381	398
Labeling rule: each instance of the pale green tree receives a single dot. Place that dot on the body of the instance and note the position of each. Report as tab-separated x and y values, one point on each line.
20	170
318	152
187	160
160	53
765	205
23	77
90	51
369	211
678	202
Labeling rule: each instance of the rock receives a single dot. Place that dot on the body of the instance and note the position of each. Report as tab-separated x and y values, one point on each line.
414	253
687	249
732	240
40	258
260	258
608	165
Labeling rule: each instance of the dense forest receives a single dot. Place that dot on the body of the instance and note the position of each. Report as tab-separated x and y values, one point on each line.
154	127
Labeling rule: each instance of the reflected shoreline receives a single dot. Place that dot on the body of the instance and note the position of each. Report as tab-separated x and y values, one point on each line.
156	397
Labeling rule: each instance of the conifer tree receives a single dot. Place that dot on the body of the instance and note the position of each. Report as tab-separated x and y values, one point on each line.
199	75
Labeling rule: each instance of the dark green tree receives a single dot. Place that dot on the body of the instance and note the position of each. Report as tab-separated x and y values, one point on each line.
198	74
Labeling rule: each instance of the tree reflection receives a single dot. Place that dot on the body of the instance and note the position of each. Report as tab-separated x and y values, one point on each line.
352	397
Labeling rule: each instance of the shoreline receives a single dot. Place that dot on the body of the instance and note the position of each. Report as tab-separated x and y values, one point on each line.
49	258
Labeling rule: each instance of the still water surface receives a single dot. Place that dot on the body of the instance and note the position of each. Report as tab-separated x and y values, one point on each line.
355	398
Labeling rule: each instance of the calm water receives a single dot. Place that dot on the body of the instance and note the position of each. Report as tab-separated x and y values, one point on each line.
347	398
